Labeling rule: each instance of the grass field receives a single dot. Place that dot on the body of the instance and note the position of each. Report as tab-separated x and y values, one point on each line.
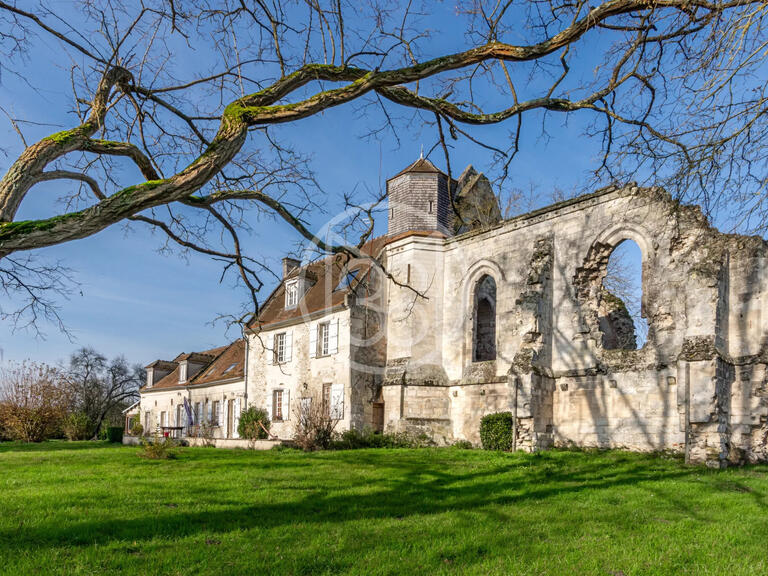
93	508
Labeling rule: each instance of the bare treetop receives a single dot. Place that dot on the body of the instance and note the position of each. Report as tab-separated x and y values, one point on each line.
675	90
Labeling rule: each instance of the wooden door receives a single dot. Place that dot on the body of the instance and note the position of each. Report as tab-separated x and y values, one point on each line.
378	417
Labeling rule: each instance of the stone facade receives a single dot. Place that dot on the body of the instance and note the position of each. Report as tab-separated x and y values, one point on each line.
230	396
513	316
698	385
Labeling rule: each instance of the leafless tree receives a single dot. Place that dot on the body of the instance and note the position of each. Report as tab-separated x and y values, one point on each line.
316	422
675	90
33	401
98	386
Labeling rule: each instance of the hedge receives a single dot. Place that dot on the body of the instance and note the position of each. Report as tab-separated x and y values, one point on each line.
115	433
497	431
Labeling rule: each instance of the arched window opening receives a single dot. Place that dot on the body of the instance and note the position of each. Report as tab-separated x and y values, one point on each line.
484	344
620	314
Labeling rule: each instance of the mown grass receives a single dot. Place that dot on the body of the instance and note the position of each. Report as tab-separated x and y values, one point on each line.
91	508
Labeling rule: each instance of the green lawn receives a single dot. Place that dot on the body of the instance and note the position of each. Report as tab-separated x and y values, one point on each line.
93	508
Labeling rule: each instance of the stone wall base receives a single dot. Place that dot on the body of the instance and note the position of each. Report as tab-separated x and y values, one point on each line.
219	443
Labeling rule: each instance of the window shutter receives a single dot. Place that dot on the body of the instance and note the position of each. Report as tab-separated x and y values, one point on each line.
236	419
286	404
312	340
223	406
337	401
158	419
269	405
333	336
210	412
274	349
288	345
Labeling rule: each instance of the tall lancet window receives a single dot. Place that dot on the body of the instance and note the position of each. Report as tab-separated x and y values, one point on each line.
484	335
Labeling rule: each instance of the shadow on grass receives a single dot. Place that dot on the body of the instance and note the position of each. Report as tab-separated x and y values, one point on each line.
405	485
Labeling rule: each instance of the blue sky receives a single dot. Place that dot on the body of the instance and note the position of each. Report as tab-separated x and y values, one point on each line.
145	305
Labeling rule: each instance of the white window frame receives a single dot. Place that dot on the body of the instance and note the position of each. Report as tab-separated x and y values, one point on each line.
323	338
291	295
280	341
277	407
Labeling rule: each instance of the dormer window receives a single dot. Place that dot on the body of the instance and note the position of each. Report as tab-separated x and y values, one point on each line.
183	372
292	295
150	377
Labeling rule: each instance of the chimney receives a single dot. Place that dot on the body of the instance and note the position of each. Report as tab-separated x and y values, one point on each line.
289	265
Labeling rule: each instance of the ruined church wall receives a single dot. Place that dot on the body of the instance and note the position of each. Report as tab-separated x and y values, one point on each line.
698	384
598	397
626	407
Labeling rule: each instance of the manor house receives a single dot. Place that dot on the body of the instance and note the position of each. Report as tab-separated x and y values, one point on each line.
456	313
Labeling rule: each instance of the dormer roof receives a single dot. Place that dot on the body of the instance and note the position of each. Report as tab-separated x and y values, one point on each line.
162	365
219	364
199	357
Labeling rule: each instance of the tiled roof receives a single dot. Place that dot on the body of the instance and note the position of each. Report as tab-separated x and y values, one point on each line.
216	368
421	165
325	275
228	365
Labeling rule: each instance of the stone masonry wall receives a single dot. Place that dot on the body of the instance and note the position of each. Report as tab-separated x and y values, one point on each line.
697	386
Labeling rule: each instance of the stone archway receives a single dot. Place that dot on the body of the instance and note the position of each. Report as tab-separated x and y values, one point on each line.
484	314
604	317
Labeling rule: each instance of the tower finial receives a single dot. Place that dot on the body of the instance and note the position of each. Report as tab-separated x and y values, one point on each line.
421	154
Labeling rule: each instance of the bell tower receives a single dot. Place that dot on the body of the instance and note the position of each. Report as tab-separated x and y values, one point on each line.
419	200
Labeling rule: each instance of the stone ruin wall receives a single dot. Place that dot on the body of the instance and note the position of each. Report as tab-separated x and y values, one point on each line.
698	386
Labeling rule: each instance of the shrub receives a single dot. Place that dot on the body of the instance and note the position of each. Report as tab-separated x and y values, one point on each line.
314	429
497	431
205	431
115	434
158	448
249	427
77	426
352	439
136	428
463	445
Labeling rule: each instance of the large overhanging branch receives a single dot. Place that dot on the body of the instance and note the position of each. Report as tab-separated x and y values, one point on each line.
263	108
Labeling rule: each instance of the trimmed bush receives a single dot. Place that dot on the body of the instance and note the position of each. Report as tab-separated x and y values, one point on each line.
115	434
249	427
497	431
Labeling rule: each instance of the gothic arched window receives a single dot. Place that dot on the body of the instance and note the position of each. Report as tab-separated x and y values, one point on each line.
484	334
